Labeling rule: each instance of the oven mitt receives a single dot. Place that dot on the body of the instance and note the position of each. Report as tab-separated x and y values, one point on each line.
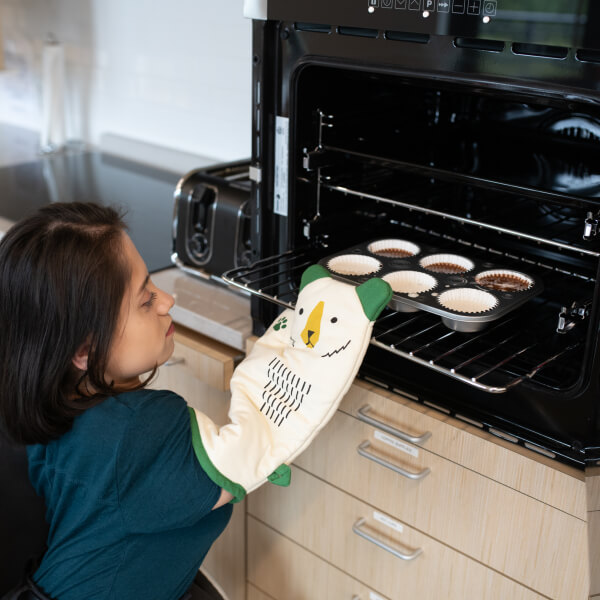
289	386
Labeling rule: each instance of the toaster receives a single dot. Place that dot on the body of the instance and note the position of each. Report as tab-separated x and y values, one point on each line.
211	219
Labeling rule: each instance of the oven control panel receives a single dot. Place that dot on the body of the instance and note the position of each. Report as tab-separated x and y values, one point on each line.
560	22
473	8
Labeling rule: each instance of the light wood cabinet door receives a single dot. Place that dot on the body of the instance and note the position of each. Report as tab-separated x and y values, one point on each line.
386	555
253	593
201	358
537	476
226	560
287	571
527	540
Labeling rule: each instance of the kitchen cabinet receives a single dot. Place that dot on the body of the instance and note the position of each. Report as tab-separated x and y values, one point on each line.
456	513
199	371
395	500
255	594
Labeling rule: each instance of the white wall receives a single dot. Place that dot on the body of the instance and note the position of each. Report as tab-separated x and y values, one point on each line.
175	74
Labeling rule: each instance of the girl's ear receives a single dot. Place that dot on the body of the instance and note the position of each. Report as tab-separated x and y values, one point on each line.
80	360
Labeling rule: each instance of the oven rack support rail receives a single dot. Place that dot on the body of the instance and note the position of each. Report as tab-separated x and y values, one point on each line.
493	360
450	177
326	155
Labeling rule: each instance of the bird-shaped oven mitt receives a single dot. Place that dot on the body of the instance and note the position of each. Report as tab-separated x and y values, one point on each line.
289	386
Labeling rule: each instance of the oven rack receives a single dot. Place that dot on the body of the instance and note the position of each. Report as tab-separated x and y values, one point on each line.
508	353
565	232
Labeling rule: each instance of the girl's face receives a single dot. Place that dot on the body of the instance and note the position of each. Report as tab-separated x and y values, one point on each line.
144	336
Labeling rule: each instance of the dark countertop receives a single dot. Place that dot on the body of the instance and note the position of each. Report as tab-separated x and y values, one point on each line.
143	192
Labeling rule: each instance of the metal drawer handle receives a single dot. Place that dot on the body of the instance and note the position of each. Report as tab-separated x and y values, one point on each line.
175	360
356	528
362	415
362	450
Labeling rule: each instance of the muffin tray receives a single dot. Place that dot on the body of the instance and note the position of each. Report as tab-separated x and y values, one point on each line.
466	293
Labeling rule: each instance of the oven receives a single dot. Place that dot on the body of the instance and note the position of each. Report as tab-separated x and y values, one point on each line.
467	127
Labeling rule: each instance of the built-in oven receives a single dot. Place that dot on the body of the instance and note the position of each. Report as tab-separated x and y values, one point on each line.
471	130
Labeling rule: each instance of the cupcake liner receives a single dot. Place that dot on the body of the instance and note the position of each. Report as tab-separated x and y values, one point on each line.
410	282
503	280
467	300
393	248
447	263
354	264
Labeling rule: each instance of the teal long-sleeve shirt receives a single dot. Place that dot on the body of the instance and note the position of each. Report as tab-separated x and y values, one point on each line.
128	505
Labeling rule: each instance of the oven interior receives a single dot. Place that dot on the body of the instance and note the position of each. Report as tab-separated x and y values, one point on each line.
508	176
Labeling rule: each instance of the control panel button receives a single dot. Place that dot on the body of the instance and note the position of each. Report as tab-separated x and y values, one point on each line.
373	3
443	6
473	7
387	3
489	8
458	7
414	4
401	4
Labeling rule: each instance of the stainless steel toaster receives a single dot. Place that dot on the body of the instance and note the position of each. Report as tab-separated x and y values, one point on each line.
211	219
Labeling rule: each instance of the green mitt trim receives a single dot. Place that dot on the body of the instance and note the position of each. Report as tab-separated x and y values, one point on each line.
374	295
313	273
235	489
282	476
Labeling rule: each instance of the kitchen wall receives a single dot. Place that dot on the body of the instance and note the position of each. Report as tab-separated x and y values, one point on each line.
174	74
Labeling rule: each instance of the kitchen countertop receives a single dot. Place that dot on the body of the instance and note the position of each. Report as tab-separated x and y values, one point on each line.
203	306
141	193
207	307
19	145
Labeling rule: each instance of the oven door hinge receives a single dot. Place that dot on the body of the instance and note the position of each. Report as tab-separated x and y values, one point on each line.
569	317
591	225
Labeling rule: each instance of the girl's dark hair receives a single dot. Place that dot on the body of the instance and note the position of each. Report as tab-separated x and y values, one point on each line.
62	282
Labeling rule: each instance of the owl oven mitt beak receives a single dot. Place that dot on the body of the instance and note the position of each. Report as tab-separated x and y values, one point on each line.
290	385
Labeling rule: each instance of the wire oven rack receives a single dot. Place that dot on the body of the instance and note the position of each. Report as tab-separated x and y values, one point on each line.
518	348
552	219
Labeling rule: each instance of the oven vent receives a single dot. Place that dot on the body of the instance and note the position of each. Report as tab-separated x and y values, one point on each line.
407	36
592	56
312	27
540	50
475	44
358	31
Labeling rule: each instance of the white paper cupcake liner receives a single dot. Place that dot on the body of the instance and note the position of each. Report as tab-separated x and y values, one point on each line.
504	280
410	282
447	263
393	248
354	264
467	300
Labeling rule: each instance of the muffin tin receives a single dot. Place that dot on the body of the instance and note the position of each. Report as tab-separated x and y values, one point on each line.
465	292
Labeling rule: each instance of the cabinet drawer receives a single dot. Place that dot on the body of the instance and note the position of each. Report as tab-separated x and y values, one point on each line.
537	476
253	593
529	541
286	571
225	562
323	519
208	360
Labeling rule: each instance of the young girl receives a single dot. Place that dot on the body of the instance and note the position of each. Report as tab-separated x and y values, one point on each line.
130	515
136	485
